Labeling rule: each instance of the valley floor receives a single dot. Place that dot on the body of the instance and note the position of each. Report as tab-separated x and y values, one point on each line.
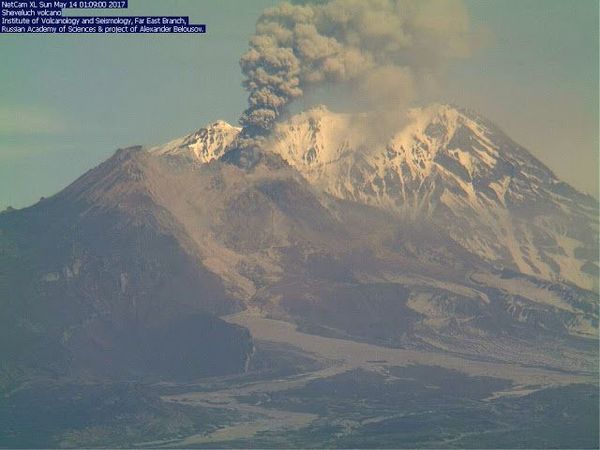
367	395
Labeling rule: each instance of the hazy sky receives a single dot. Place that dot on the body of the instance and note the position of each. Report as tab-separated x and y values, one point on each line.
67	102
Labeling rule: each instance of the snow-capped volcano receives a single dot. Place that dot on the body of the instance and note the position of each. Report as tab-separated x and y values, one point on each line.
399	243
448	166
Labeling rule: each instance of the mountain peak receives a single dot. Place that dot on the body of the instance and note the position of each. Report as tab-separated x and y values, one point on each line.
205	145
450	166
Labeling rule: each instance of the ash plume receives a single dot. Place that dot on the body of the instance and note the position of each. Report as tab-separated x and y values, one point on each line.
386	52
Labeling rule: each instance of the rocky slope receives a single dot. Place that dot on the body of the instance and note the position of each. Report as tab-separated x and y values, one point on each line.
95	281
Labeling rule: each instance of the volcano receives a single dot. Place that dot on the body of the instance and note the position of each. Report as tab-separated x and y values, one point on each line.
447	239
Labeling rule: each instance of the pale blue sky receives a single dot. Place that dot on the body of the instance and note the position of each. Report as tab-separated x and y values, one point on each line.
67	102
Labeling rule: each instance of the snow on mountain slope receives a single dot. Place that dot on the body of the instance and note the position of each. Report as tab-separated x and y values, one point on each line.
204	145
458	170
448	166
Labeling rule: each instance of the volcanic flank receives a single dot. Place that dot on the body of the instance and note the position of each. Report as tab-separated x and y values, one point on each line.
450	236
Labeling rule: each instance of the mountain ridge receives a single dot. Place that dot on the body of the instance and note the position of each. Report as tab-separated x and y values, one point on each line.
446	164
